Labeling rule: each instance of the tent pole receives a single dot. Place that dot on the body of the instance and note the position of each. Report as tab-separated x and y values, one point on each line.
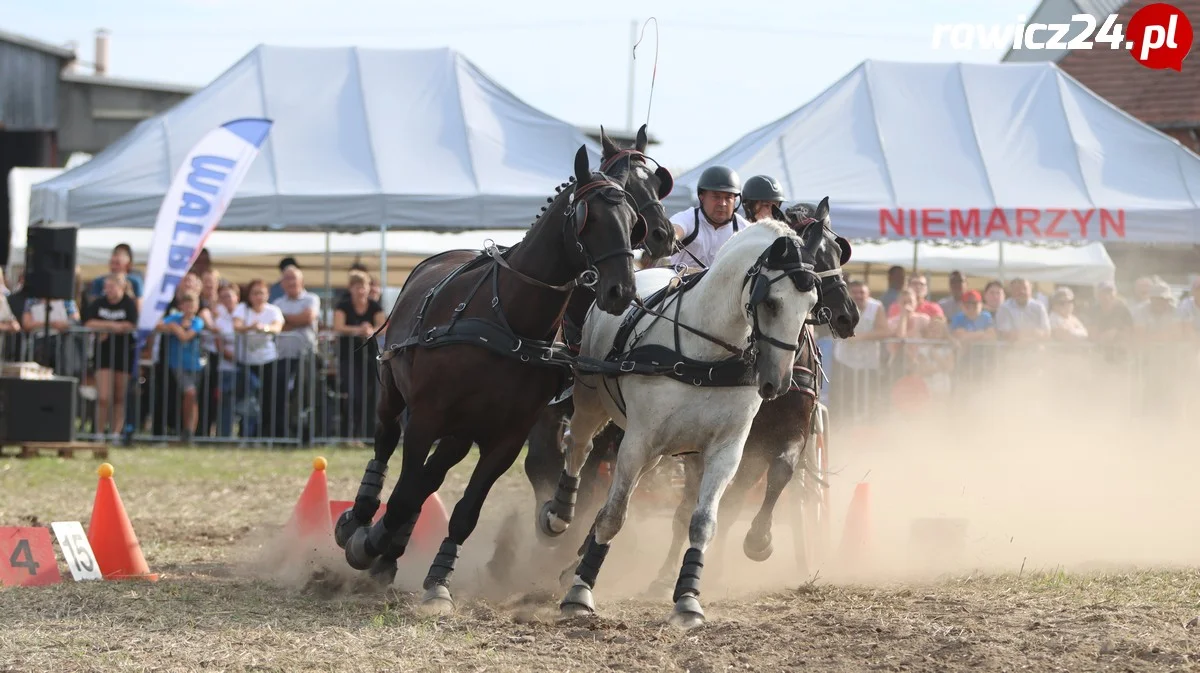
1000	247
383	272
915	247
328	271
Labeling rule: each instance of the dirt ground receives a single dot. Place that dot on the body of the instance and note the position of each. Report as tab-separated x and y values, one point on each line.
1079	554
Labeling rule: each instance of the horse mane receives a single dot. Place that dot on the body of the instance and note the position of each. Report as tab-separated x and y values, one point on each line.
735	255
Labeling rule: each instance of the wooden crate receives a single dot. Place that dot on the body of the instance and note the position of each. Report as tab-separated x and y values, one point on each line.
62	449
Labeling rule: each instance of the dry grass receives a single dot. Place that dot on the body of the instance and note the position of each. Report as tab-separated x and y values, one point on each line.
205	519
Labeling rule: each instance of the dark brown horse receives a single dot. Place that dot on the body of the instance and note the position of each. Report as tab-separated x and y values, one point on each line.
775	445
489	320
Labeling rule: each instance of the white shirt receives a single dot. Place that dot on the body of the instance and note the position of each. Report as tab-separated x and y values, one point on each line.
257	348
710	239
1011	317
223	321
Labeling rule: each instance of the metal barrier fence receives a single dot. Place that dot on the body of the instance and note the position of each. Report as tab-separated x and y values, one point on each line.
283	390
253	389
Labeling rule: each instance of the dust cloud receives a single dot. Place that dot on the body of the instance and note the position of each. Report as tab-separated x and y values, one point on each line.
1054	464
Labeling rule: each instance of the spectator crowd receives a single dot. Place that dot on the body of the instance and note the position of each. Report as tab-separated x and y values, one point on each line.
908	346
256	361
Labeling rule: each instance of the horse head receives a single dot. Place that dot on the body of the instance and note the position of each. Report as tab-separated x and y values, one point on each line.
600	223
780	292
827	252
647	187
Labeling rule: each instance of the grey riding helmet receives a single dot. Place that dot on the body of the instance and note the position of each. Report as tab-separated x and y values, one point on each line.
719	179
762	188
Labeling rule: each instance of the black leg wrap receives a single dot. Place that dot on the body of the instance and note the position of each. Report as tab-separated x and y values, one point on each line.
387	543
689	574
563	505
443	565
593	558
366	503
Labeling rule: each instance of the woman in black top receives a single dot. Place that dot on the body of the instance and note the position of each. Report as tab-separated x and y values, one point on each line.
113	317
355	317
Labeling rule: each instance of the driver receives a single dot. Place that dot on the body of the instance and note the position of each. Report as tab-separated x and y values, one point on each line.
700	230
760	195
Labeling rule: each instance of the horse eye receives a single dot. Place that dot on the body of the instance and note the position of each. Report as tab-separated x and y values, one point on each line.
772	305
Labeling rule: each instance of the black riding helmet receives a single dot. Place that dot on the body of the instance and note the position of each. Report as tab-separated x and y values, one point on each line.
719	179
760	188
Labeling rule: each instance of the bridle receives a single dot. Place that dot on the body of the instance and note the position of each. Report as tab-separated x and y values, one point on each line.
829	280
641	229
574	222
800	273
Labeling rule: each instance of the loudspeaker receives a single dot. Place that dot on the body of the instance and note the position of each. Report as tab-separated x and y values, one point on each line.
37	410
50	262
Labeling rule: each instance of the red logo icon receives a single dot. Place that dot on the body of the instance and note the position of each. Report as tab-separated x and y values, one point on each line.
1159	36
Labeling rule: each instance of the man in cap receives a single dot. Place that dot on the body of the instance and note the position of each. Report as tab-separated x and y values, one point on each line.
701	230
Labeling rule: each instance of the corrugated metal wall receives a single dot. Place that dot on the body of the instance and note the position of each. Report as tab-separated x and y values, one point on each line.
28	88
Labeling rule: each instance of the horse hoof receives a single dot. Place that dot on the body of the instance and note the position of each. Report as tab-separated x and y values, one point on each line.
688	614
356	550
543	522
437	601
760	554
577	603
383	571
345	528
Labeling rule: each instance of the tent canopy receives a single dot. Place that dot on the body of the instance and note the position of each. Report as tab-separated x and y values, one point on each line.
974	152
363	138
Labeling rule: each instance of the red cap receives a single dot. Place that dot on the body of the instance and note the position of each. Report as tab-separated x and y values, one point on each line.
971	295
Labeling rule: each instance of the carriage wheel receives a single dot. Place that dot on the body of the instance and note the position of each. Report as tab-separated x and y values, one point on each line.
810	500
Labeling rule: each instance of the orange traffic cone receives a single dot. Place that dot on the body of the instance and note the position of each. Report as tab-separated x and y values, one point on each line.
856	536
114	544
310	516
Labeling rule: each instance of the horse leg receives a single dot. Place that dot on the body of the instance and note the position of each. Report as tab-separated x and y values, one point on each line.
749	471
407	503
720	464
692	469
632	463
589	416
387	436
757	545
494	460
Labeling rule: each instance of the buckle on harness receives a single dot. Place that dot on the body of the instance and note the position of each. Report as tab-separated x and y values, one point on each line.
460	308
589	278
546	355
628	369
429	335
675	369
518	346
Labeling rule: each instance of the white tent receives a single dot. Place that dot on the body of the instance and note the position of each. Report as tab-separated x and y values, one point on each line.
363	139
1002	152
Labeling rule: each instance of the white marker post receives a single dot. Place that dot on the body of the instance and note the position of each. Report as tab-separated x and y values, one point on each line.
77	551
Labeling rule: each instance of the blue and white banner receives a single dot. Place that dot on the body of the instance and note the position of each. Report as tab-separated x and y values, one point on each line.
198	197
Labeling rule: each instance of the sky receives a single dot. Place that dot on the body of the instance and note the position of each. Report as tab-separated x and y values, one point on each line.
725	67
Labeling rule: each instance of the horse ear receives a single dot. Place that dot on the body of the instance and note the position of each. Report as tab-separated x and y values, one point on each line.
610	148
822	210
783	252
583	170
642	139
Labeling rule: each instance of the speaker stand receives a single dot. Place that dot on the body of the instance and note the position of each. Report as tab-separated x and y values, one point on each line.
47	357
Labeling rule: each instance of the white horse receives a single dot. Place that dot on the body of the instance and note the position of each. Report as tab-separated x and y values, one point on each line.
757	293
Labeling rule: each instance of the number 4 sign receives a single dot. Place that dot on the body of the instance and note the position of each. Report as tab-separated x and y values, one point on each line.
27	557
77	551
